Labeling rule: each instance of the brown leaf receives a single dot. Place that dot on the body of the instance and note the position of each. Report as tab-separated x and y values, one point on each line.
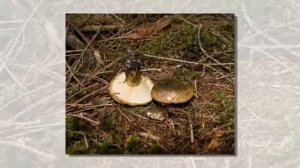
146	31
213	145
216	141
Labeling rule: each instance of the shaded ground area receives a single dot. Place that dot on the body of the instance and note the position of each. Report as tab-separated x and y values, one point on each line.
198	49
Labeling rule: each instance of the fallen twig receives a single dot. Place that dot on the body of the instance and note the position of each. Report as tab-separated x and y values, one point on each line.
74	42
221	127
80	115
195	63
101	27
88	105
187	62
112	63
204	51
90	94
192	133
72	74
85	141
150	136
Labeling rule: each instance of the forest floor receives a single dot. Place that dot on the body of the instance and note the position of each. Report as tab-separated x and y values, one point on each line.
199	49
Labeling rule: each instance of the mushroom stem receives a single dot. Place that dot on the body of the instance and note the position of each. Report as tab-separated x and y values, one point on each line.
133	78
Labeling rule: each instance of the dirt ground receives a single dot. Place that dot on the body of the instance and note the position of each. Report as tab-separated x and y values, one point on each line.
199	49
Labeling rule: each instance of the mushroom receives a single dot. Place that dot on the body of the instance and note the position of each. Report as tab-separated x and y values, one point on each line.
172	91
156	113
131	87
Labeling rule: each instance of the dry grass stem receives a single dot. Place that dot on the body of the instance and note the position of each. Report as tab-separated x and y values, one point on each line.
80	115
150	136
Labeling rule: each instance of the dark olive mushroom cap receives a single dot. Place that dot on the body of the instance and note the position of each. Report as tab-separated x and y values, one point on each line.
172	91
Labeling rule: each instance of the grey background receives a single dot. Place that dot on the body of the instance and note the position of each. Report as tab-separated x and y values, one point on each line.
32	82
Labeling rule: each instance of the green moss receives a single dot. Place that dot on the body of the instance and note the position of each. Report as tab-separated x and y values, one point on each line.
77	148
75	124
107	122
192	52
82	92
208	40
193	109
108	148
171	41
227	27
226	102
132	109
75	129
132	143
156	149
186	75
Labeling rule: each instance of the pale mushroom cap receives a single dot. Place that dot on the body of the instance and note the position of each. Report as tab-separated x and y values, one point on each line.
156	113
131	95
172	91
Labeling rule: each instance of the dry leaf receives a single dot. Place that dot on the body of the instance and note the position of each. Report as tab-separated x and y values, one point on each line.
214	145
216	141
98	57
147	31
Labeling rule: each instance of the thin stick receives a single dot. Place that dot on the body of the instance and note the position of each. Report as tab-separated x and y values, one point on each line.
196	89
171	59
101	27
85	39
74	42
88	105
199	41
150	136
130	121
151	69
190	62
85	141
90	94
94	123
204	51
223	126
185	20
100	80
125	116
192	133
71	51
184	61
111	64
72	74
88	42
80	91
